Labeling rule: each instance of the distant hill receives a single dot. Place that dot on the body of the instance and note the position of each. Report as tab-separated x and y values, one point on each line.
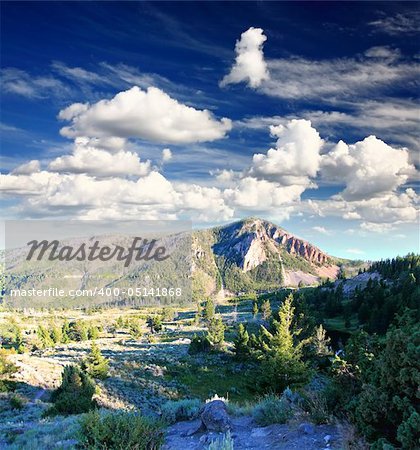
249	255
254	254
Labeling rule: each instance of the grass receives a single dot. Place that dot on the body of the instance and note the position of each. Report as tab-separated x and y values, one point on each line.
210	378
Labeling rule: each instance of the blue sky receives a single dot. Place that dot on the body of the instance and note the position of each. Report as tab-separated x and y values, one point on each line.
216	111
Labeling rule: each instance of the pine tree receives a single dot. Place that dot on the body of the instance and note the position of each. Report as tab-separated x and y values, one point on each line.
56	334
44	336
282	364
320	342
241	341
96	365
254	309
135	329
266	310
75	394
65	332
209	309
216	332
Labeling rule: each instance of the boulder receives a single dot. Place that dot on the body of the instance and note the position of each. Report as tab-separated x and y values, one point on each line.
214	417
306	428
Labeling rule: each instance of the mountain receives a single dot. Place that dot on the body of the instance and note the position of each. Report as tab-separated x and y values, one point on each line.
254	254
249	255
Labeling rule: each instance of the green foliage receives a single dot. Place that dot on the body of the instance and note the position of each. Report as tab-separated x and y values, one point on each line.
93	332
155	324
119	430
387	405
216	332
222	443
199	344
254	309
7	369
16	402
75	394
241	342
209	309
78	331
134	328
44	336
177	410
266	310
272	409
281	353
96	365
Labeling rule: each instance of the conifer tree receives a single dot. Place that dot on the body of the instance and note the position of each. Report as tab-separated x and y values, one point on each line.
254	309
241	341
216	332
209	309
96	365
266	310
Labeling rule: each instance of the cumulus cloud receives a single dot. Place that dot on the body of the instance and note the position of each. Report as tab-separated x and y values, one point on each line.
92	160
321	230
166	155
251	193
296	157
27	168
250	65
151	115
368	168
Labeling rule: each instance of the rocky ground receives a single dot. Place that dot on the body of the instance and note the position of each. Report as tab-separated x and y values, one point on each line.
247	435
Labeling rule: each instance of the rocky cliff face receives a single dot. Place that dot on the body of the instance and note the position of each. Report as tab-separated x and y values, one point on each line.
251	242
255	246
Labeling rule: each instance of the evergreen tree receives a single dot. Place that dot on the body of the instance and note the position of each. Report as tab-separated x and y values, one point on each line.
93	332
282	364
135	329
266	310
44	337
75	394
155	324
241	341
56	334
254	309
216	332
65	332
96	365
209	309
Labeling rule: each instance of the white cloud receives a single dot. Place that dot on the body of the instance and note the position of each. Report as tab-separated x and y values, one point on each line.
250	65
295	158
251	193
321	230
166	155
27	168
19	82
151	115
91	160
383	52
355	251
399	24
368	168
338	80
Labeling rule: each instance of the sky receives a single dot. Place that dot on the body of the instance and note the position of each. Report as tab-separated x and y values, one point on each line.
302	113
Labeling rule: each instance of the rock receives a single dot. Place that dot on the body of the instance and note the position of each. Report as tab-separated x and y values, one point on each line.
327	438
260	432
306	428
214	417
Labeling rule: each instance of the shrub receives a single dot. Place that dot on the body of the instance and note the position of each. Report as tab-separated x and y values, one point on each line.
177	410
75	394
7	369
16	402
223	443
199	344
134	329
119	430
272	409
